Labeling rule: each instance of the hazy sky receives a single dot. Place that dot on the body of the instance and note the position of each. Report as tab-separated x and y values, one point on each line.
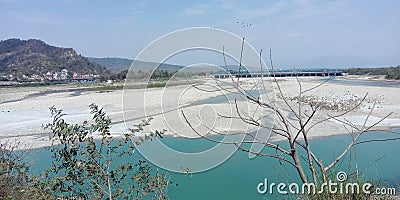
300	33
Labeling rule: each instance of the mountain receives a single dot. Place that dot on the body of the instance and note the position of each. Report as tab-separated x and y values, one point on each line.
36	57
113	64
119	64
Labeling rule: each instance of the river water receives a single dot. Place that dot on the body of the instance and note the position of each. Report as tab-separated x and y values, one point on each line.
238	177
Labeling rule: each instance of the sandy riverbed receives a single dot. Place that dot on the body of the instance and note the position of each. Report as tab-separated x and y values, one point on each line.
24	110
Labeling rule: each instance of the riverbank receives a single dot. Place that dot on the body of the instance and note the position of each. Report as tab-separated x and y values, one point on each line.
23	110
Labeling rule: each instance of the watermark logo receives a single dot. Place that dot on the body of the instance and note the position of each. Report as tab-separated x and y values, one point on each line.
167	105
341	176
339	186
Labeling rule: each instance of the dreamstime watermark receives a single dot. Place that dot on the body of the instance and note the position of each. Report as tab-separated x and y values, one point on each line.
340	186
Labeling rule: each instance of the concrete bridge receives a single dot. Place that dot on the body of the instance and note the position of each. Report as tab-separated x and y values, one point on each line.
246	74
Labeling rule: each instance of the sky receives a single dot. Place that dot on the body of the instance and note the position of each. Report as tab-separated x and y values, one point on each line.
300	33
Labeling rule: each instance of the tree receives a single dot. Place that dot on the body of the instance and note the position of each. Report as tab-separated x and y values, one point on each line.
84	168
294	120
14	177
87	163
122	75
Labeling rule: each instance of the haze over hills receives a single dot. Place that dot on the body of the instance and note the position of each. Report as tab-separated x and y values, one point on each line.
28	57
119	64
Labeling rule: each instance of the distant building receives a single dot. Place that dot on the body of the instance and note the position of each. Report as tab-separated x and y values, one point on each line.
64	74
48	76
75	75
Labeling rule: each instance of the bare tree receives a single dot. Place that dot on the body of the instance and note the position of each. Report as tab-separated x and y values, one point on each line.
295	118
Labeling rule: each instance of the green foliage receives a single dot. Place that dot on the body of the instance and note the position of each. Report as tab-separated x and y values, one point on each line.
111	75
389	72
162	74
156	84
15	183
393	73
105	88
122	74
108	75
87	163
84	168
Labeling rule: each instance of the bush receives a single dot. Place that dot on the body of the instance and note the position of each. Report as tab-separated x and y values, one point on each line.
14	180
82	167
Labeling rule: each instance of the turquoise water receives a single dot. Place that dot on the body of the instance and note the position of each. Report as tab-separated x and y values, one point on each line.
230	97
238	177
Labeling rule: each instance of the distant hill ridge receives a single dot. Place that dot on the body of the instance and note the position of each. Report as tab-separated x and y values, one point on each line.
119	64
36	57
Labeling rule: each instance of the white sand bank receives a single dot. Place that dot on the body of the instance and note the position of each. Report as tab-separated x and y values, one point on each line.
22	112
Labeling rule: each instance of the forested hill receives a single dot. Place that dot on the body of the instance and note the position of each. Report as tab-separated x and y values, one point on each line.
28	57
389	72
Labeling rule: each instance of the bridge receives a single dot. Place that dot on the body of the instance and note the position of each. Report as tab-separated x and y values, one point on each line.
281	73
